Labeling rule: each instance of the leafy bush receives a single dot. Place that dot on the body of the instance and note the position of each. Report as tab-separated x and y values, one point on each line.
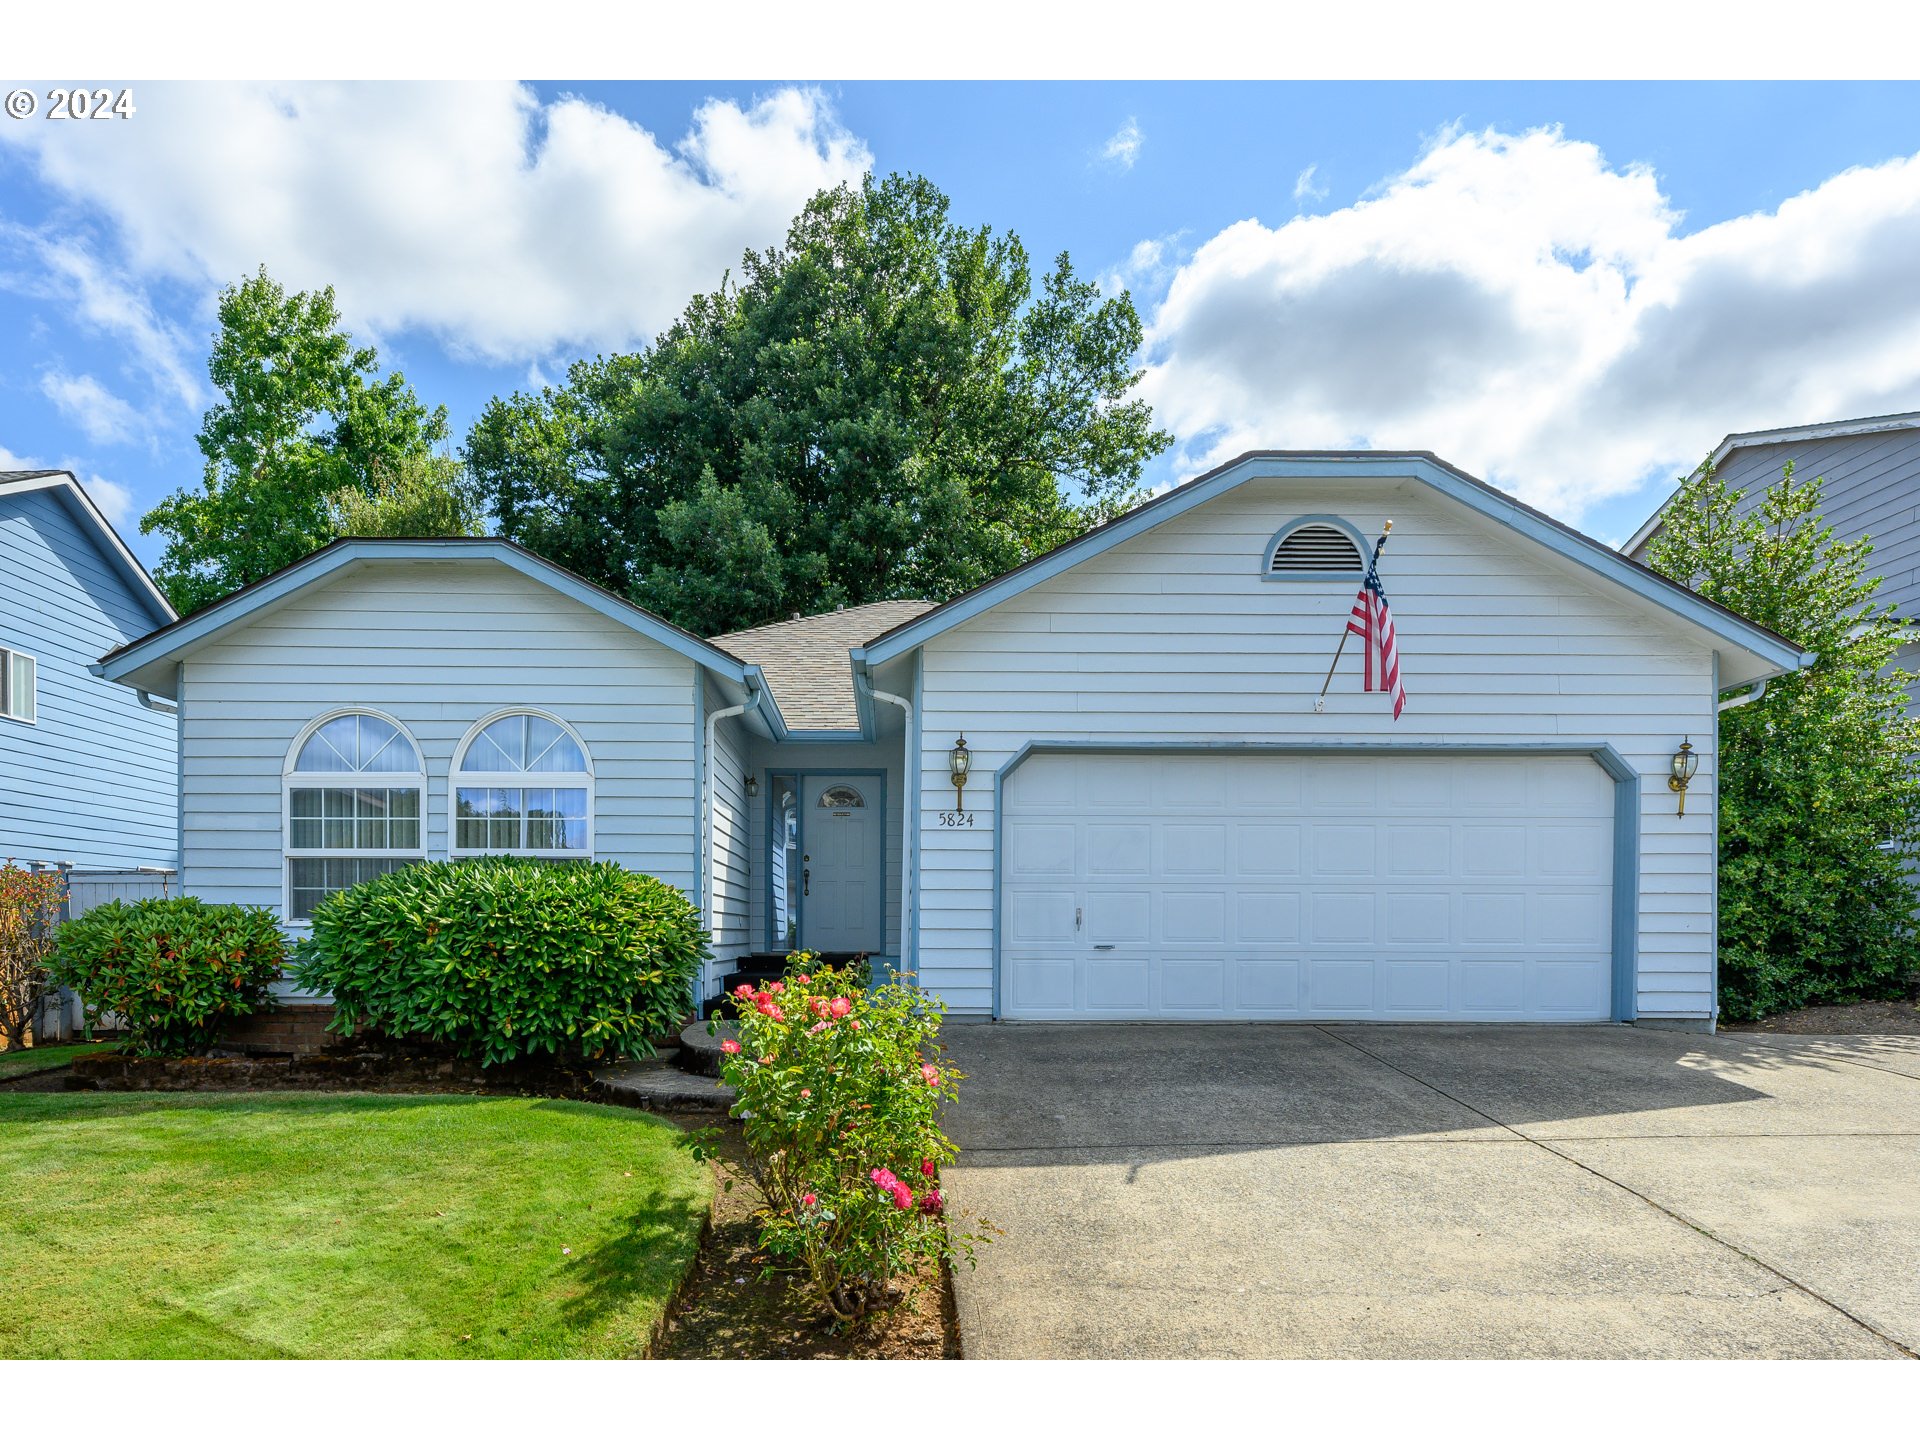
1819	794
29	912
174	971
505	957
839	1097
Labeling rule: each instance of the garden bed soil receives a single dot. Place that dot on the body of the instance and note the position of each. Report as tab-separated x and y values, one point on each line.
728	1309
1869	1017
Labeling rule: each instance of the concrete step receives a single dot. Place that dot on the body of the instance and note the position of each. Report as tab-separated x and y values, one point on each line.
699	1052
657	1085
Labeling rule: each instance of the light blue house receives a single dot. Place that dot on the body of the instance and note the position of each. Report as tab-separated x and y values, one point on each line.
1159	821
88	769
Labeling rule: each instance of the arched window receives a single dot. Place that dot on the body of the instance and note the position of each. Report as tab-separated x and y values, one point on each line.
841	797
1316	547
353	788
522	786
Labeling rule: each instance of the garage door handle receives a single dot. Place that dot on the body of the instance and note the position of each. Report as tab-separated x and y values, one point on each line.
1103	947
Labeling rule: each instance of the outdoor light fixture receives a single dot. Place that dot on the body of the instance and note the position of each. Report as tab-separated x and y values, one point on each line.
753	787
958	763
1685	762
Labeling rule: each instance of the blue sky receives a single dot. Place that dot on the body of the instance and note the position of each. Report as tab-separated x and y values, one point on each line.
1571	289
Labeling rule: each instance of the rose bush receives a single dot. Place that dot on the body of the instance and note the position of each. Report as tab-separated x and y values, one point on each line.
839	1093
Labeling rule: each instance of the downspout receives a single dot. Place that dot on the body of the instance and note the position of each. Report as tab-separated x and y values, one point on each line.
909	821
1747	699
707	802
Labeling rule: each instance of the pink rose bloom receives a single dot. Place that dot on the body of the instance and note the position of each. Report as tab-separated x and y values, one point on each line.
776	1013
902	1196
929	1074
799	979
809	1199
775	987
854	1023
764	1004
731	1047
817	1027
840	1006
931	1203
926	1167
745	992
884	1178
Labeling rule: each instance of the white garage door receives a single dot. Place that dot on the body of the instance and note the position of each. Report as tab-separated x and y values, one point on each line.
1418	887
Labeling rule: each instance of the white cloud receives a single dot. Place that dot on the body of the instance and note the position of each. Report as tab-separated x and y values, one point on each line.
1305	189
1525	309
508	228
113	498
107	419
63	268
1123	146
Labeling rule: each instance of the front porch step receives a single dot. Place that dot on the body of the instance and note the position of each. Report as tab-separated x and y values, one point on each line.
699	1052
659	1086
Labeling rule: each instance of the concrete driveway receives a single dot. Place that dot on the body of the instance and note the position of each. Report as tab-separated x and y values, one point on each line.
1435	1191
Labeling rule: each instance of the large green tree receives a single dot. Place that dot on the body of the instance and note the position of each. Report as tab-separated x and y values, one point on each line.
887	404
1819	795
301	414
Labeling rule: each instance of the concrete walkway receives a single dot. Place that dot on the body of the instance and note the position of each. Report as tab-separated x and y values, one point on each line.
1437	1191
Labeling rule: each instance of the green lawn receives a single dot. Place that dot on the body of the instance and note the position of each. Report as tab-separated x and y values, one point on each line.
337	1225
42	1057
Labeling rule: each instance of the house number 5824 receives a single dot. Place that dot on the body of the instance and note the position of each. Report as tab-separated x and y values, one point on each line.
957	819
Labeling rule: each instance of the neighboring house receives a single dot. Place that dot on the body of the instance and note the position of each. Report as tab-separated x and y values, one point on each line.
87	767
1872	472
1157	821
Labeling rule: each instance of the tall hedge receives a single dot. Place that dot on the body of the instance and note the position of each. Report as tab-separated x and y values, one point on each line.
1819	791
503	958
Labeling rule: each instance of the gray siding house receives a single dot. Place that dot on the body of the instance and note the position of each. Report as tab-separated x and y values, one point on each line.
1158	819
1872	473
87	767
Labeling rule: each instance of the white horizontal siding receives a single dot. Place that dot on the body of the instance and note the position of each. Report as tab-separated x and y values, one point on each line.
437	646
1173	637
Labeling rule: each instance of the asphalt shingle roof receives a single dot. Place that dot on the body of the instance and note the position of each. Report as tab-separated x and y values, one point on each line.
805	660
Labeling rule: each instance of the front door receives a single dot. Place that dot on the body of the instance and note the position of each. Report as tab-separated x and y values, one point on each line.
840	876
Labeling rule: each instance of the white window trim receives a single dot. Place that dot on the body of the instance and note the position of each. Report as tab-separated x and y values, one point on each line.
519	780
7	653
291	780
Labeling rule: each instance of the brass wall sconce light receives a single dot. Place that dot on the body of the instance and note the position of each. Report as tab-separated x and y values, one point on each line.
1685	763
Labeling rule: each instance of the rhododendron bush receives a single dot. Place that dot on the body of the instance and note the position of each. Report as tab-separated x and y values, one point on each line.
839	1094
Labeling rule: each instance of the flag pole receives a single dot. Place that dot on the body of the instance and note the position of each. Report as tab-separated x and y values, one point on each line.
1320	700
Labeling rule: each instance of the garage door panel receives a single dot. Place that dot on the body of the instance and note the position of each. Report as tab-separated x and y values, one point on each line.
1120	986
1336	851
1267	987
1189	986
1267	851
1114	848
1119	917
1271	918
1286	887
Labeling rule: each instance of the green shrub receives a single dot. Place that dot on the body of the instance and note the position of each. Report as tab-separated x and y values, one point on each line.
839	1100
174	971
503	957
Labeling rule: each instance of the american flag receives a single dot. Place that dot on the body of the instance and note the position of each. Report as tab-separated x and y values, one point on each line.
1373	623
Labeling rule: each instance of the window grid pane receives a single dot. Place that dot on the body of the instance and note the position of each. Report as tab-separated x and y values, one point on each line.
360	819
496	817
311	880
